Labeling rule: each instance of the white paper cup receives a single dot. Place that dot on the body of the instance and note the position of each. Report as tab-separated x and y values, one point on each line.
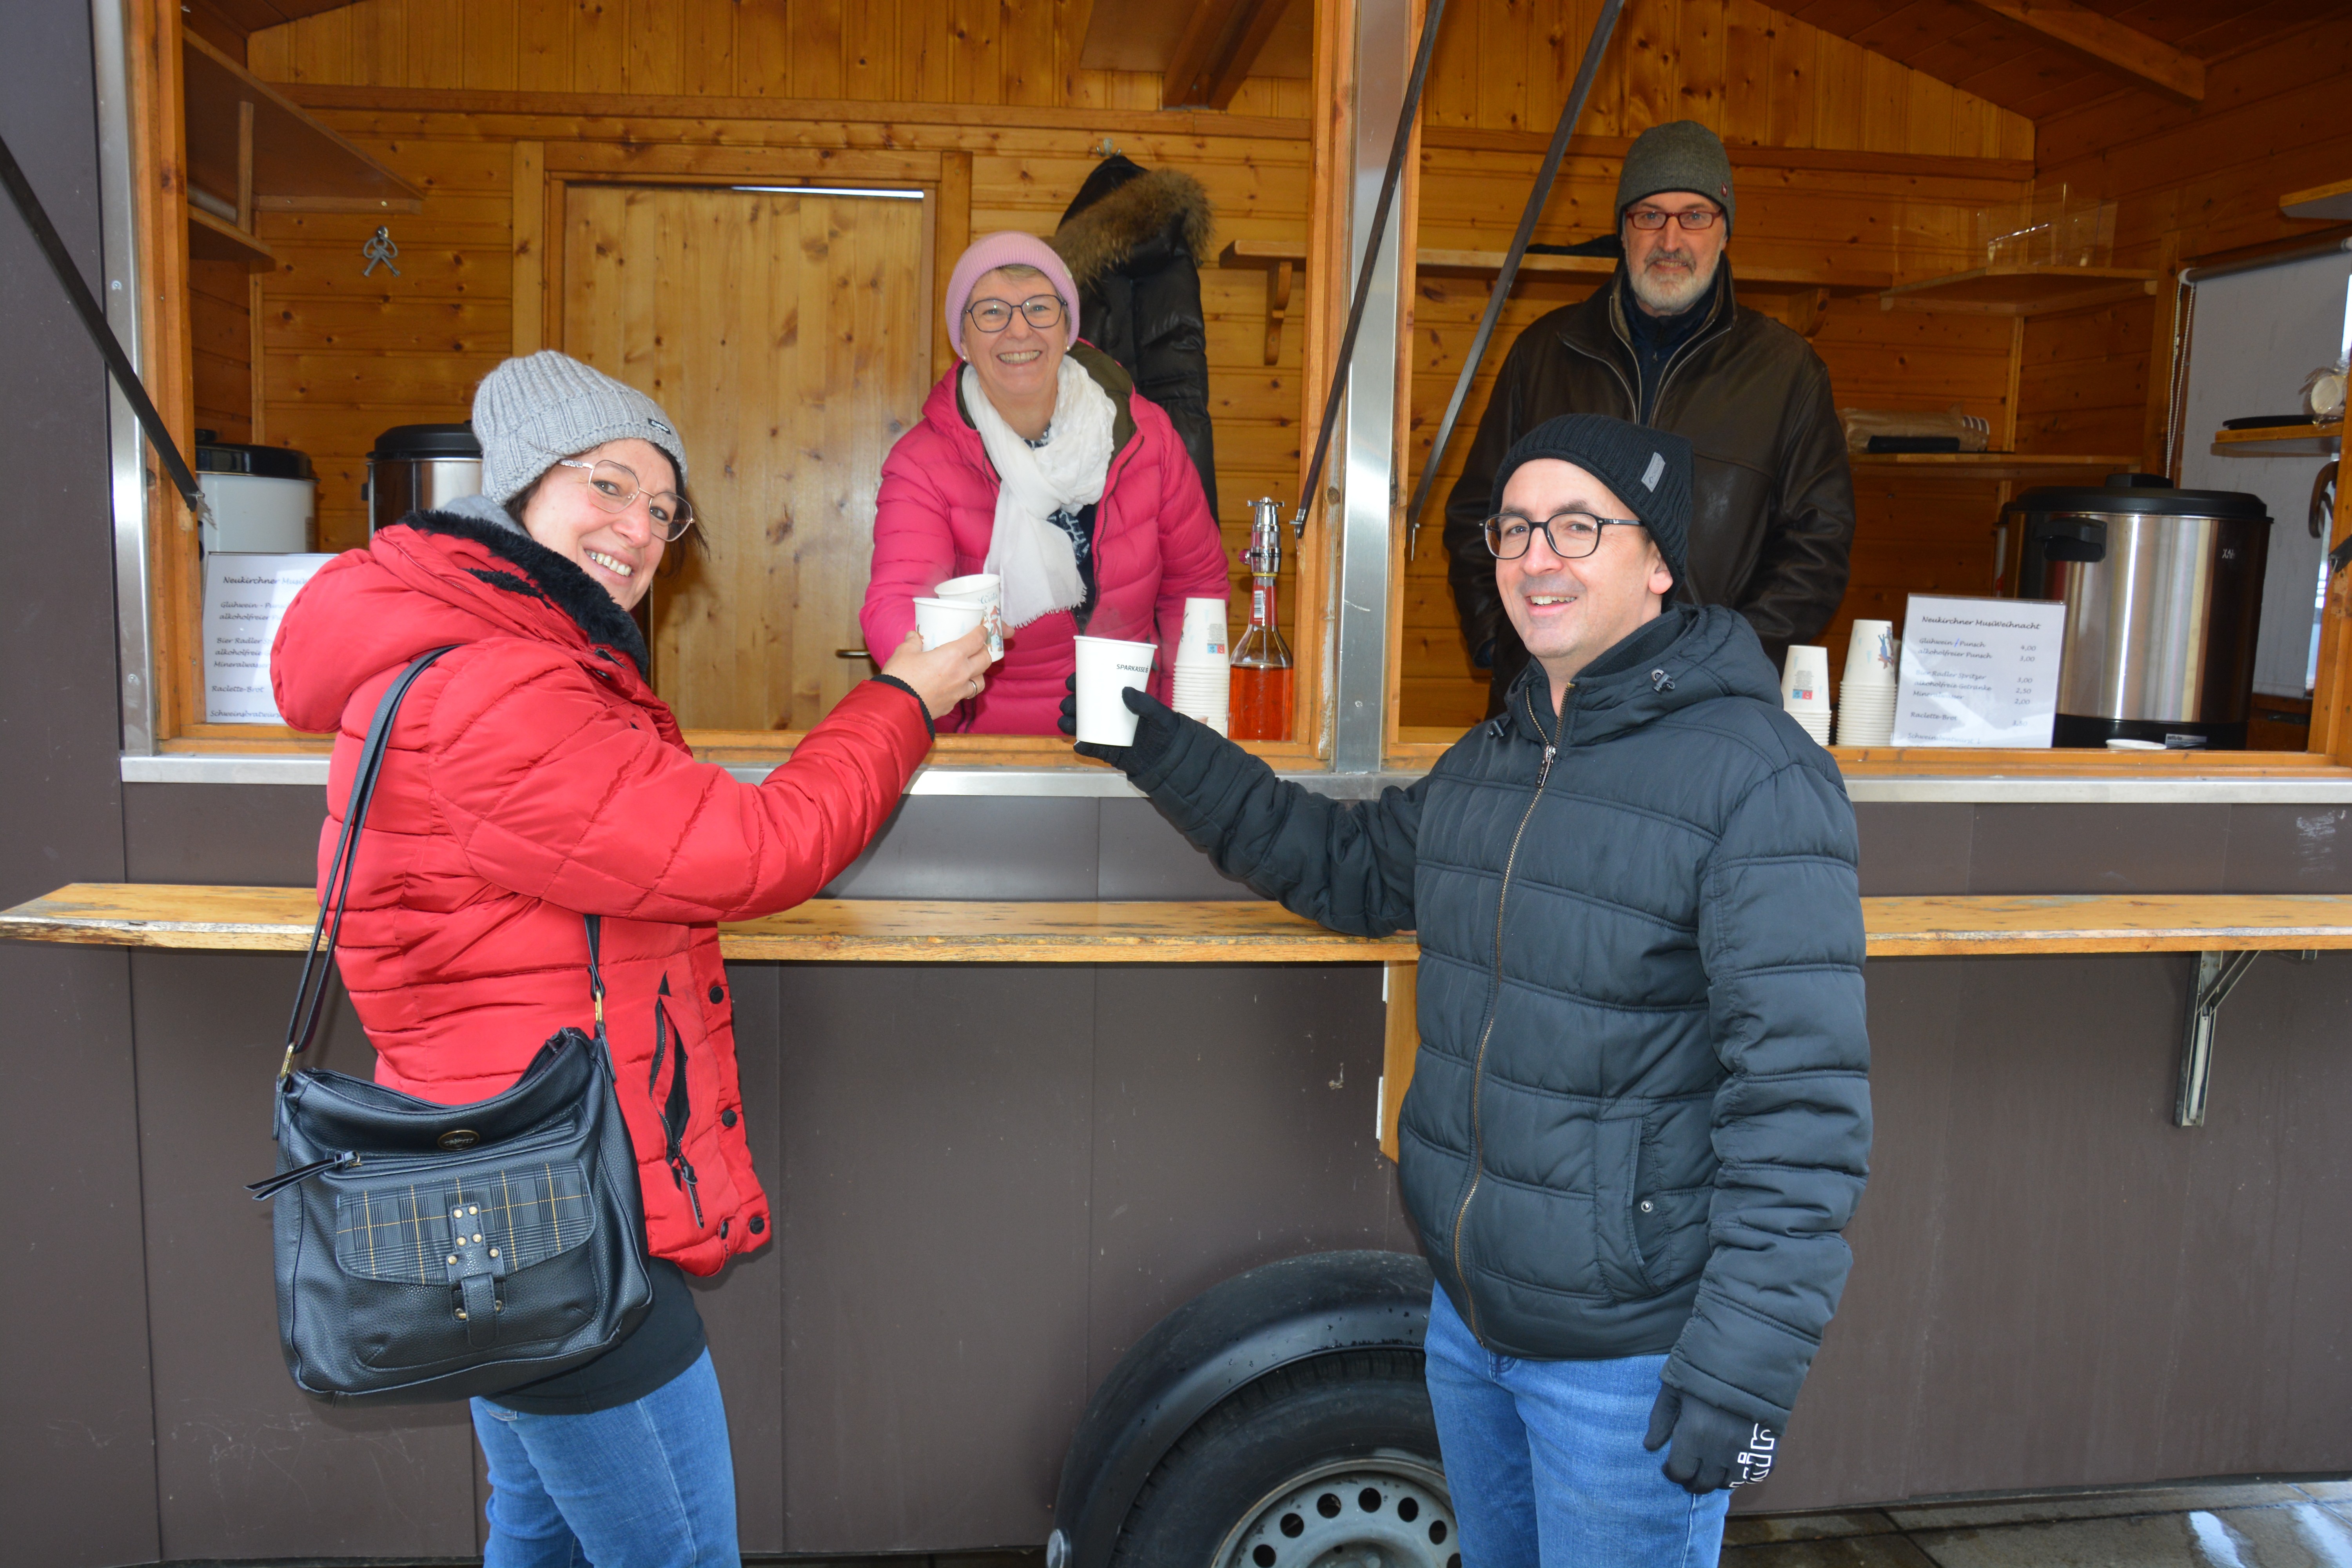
984	589
1106	668
1805	679
1870	656
944	620
1203	641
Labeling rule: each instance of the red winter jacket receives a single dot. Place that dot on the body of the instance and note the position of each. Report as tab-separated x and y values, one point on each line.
1156	546
533	777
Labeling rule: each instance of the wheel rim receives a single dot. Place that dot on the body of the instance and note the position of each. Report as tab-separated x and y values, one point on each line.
1381	1511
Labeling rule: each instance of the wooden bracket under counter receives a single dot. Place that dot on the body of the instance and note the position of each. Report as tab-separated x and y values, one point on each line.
835	931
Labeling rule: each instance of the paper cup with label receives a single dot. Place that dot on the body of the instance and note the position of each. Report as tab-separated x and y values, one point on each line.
1870	655
1105	668
985	588
944	620
1805	680
1203	641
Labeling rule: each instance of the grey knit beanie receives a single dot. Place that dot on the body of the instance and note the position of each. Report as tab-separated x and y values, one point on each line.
1681	155
1649	470
530	412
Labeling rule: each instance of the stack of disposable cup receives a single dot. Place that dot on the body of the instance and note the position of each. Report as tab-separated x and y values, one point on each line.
1866	714
1805	691
1202	683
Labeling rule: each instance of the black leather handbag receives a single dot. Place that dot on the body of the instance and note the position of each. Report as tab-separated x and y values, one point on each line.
435	1252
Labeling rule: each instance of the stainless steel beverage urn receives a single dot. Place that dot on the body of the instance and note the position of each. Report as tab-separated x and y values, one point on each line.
2163	591
416	468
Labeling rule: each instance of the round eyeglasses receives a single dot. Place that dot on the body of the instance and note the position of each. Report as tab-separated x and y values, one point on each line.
614	487
1650	217
1572	535
1041	311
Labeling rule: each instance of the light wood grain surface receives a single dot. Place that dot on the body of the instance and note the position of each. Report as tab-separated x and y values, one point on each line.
278	920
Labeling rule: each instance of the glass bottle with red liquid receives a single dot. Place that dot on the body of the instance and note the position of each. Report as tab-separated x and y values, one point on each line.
1262	677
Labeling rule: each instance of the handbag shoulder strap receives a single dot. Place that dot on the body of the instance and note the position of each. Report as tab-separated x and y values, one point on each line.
318	970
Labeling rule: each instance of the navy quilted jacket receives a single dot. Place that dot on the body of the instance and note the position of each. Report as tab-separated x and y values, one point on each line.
1639	1116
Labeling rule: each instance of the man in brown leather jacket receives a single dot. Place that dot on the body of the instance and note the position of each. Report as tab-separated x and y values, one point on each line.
1665	343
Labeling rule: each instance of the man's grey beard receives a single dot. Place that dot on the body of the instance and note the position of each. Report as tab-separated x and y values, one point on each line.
1670	294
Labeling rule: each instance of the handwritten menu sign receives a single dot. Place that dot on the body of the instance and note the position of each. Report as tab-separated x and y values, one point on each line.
1978	672
245	598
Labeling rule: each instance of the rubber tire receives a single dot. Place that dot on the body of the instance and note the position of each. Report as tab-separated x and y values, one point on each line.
1347	1405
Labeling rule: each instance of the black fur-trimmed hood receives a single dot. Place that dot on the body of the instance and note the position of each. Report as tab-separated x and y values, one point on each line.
542	573
1108	233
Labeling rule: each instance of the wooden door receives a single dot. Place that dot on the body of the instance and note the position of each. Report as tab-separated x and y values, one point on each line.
787	335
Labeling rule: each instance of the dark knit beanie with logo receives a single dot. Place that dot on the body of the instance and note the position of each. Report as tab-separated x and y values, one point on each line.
1649	470
1681	155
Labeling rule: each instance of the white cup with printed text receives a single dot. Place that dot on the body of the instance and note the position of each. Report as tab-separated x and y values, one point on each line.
1106	668
1805	680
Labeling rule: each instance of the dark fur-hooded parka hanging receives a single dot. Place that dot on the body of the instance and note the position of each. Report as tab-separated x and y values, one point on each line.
1133	241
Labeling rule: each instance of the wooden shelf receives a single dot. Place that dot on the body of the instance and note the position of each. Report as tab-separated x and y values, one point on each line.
1992	465
1281	261
2283	441
1748	280
2323	203
890	930
211	239
298	164
2021	290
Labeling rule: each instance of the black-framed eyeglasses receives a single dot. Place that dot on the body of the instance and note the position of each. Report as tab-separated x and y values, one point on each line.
1650	217
1041	311
614	487
1572	535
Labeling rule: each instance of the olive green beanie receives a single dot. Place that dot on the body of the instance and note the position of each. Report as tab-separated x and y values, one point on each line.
1682	155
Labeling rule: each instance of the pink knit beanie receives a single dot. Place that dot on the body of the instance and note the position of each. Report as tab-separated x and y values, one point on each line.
1005	249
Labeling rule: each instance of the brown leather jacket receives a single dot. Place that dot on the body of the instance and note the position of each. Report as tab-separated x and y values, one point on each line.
1772	499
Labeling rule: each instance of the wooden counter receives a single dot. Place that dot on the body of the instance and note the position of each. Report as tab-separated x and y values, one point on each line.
278	920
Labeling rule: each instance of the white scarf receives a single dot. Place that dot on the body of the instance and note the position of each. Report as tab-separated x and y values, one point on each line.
1026	548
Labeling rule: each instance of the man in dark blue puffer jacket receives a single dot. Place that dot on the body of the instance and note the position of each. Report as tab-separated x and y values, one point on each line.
1640	1114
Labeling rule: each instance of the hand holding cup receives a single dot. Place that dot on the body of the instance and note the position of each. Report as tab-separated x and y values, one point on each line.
953	672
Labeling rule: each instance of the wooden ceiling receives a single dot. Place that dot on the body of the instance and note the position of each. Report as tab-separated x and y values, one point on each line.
2041	57
2037	58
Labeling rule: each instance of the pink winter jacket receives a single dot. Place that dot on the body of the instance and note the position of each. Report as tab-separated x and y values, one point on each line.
1156	546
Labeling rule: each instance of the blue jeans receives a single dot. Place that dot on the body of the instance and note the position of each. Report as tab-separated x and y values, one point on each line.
1545	1461
646	1485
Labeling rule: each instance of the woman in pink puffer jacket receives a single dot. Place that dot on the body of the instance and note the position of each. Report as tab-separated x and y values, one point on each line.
1104	531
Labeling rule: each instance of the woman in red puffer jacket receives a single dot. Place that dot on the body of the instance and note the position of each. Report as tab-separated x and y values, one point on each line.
533	777
1036	460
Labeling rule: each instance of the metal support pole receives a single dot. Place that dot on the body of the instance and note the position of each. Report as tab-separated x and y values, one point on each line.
1385	40
2218	974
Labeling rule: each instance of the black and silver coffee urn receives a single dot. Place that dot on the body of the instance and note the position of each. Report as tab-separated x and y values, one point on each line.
2164	599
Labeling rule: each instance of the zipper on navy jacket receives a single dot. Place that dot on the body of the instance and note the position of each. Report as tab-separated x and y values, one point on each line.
1495	993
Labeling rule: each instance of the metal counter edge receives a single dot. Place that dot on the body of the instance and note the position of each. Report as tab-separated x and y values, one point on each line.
188	768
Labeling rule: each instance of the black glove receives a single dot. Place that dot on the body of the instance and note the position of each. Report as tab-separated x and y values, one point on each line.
1713	1448
1156	725
1070	720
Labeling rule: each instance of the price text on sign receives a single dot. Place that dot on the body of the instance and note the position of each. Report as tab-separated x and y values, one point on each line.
1978	672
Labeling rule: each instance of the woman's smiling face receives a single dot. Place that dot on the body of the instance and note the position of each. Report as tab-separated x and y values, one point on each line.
619	549
1023	363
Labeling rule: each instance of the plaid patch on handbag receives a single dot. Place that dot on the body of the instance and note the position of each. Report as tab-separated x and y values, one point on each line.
524	1213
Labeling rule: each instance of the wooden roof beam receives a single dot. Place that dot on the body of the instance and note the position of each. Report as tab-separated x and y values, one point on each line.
1220	44
2105	41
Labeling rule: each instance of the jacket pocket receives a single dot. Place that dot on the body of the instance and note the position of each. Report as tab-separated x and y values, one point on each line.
675	1107
1616	1159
